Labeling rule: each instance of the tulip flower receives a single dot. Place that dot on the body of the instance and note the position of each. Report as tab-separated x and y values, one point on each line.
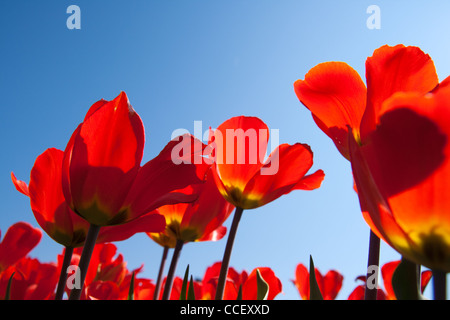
108	277
401	174
31	280
247	180
329	284
200	220
242	175
53	214
19	240
341	104
344	108
387	272
250	286
102	178
58	220
244	282
234	281
175	292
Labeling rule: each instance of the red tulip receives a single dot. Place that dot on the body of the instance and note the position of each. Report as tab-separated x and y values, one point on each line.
54	215
102	178
402	175
329	285
387	271
19	240
250	286
340	102
107	277
32	280
242	175
234	281
395	133
177	285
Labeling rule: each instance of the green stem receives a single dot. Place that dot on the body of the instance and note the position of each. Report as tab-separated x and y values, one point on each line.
68	251
227	254
440	284
371	292
85	258
160	273
171	273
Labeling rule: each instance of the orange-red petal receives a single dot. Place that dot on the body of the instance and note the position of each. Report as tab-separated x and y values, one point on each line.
240	145
336	96
284	171
395	69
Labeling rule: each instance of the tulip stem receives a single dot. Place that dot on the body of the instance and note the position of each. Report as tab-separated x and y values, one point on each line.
371	291
85	258
439	285
160	273
171	273
63	274
227	254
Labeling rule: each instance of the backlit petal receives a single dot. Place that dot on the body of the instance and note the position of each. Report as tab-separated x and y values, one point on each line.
395	69
336	96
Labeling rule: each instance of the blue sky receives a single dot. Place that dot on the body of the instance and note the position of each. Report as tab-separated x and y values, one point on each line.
197	60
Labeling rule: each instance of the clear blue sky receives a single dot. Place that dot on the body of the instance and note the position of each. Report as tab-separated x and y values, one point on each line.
198	60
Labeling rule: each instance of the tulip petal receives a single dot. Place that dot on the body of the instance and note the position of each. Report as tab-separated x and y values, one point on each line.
376	211
283	172
302	281
336	96
21	186
215	235
332	284
395	69
240	144
166	179
150	222
412	169
48	203
250	286
387	271
207	213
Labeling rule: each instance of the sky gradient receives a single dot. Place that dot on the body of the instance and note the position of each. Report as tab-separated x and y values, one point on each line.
197	60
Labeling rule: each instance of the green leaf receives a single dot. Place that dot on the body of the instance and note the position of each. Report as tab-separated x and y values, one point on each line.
405	281
131	290
262	287
314	291
8	287
191	293
184	285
